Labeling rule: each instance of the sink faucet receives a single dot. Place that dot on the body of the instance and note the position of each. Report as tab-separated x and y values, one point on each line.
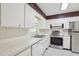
36	25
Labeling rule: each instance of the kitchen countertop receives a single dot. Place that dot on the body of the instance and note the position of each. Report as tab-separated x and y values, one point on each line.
56	36
12	46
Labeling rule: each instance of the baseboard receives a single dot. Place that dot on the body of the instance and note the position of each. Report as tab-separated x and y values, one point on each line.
75	52
66	49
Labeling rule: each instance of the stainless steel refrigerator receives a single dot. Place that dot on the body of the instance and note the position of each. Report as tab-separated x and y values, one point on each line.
75	36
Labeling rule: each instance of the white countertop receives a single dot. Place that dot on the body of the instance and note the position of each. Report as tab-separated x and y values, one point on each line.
56	36
12	46
14	40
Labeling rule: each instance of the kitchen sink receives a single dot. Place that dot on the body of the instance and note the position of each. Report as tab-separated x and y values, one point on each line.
38	36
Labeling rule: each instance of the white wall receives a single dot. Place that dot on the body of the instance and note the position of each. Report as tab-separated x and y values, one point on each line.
62	20
30	19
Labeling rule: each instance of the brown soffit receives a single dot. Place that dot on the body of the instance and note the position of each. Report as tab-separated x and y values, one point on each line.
35	7
63	15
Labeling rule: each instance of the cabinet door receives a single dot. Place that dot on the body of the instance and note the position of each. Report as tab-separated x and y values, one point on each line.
30	14
76	26
71	25
37	49
26	52
46	42
66	42
12	14
66	25
32	18
75	42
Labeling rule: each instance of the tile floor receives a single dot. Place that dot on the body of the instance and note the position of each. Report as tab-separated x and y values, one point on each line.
58	52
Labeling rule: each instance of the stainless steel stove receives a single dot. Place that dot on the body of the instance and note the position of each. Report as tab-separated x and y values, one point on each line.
56	42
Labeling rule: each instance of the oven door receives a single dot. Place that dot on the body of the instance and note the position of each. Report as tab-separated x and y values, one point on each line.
56	41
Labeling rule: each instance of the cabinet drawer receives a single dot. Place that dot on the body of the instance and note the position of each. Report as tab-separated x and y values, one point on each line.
46	43
45	40
66	42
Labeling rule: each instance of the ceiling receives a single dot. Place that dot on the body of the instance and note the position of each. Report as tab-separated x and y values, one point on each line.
55	8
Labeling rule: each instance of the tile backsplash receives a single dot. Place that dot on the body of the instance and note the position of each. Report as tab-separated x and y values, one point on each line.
9	32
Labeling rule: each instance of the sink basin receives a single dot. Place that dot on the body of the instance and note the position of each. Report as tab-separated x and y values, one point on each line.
38	36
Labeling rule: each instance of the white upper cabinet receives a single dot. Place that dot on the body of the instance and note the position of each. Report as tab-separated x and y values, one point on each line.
76	25
30	14
66	25
32	18
12	14
20	15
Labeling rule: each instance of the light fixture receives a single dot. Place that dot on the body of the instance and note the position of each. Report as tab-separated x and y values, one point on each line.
64	6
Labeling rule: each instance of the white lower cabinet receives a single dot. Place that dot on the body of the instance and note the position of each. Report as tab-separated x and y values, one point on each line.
66	42
39	48
46	42
26	52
